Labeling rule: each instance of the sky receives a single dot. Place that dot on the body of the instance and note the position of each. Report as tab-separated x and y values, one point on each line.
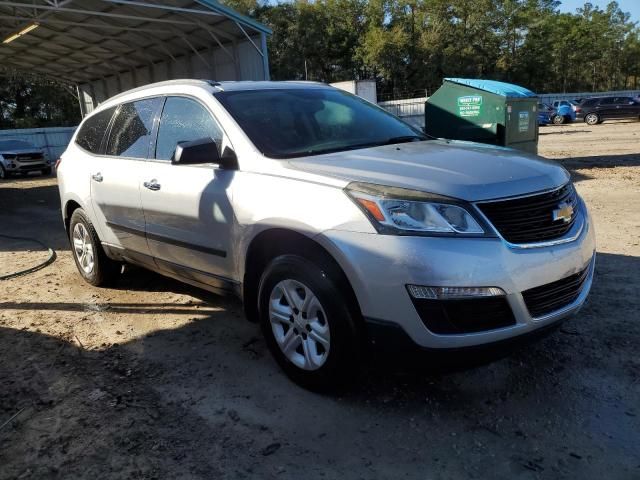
631	6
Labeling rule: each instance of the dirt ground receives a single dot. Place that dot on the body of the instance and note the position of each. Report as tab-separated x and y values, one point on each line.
155	379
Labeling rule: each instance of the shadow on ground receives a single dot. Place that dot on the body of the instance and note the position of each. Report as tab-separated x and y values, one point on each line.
206	401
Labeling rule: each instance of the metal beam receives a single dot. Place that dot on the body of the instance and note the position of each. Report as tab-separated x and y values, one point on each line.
96	13
249	38
166	8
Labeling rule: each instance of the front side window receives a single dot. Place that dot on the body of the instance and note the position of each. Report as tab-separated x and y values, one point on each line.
184	120
285	123
93	129
132	127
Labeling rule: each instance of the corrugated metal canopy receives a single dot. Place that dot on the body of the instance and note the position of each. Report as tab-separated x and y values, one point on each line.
85	41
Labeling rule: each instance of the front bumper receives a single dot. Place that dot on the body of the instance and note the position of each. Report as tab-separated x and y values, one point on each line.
380	266
16	166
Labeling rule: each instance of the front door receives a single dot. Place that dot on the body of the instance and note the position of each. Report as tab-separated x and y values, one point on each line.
187	208
116	176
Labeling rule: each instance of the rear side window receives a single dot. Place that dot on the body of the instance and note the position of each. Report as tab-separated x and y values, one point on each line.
608	101
93	129
589	103
132	127
184	120
624	100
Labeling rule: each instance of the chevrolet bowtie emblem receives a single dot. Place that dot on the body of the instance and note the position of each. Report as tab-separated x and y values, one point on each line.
564	212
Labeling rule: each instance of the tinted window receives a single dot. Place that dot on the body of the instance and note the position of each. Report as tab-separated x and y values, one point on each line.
184	120
296	122
608	101
131	130
589	103
624	100
92	131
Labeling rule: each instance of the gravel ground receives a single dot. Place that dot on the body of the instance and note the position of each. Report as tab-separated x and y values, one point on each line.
155	379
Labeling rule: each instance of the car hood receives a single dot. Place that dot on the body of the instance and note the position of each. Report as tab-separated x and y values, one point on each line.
463	170
21	151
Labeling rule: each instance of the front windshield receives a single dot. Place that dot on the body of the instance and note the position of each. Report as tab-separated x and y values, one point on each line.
14	145
298	122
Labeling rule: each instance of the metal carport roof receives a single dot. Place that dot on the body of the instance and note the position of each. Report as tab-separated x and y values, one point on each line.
107	46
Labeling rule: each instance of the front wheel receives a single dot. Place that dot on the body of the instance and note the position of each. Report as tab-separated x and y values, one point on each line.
307	323
592	119
3	173
93	264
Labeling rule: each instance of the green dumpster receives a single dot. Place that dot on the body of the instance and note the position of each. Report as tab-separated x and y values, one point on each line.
484	111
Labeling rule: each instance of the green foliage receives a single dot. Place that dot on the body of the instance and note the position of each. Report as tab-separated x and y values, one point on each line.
33	102
410	45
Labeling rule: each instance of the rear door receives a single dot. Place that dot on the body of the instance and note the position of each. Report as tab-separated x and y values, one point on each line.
187	208
626	107
116	174
607	108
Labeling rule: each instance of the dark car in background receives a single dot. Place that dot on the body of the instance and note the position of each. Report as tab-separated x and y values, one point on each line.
21	157
597	110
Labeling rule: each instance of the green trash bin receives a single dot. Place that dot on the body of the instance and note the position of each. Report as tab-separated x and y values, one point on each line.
484	111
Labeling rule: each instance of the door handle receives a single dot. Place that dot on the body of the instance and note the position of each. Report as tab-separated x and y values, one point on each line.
152	185
97	177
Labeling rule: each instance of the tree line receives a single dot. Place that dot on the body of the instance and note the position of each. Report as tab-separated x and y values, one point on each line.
408	47
411	45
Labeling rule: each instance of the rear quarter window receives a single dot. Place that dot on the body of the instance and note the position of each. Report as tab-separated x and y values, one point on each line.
93	129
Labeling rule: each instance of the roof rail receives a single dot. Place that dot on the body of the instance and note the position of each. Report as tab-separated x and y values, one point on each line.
179	81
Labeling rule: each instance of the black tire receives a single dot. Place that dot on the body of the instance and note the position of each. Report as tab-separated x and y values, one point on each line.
558	120
46	171
105	271
343	356
592	119
3	173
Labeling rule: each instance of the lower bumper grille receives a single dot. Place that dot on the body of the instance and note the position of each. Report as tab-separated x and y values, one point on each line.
556	295
458	316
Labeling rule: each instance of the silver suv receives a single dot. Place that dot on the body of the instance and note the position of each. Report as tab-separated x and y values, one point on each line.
338	225
21	157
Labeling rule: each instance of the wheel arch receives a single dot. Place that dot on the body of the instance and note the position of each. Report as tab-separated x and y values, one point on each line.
70	206
272	242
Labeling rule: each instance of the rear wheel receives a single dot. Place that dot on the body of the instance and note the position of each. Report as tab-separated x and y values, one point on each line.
592	119
46	171
558	120
93	264
307	323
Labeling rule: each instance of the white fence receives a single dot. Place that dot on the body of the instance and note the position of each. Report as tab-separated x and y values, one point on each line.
411	110
551	97
52	140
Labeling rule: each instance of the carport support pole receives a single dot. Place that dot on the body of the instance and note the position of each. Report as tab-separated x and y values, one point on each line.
265	55
83	110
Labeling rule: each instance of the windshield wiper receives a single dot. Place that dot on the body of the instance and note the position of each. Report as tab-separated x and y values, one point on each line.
404	139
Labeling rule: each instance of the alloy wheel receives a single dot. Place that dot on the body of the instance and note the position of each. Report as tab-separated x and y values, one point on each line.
83	248
592	119
299	324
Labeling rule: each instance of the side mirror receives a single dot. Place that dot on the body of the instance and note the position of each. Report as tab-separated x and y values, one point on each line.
204	150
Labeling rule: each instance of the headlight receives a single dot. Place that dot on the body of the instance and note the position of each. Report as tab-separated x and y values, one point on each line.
401	211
